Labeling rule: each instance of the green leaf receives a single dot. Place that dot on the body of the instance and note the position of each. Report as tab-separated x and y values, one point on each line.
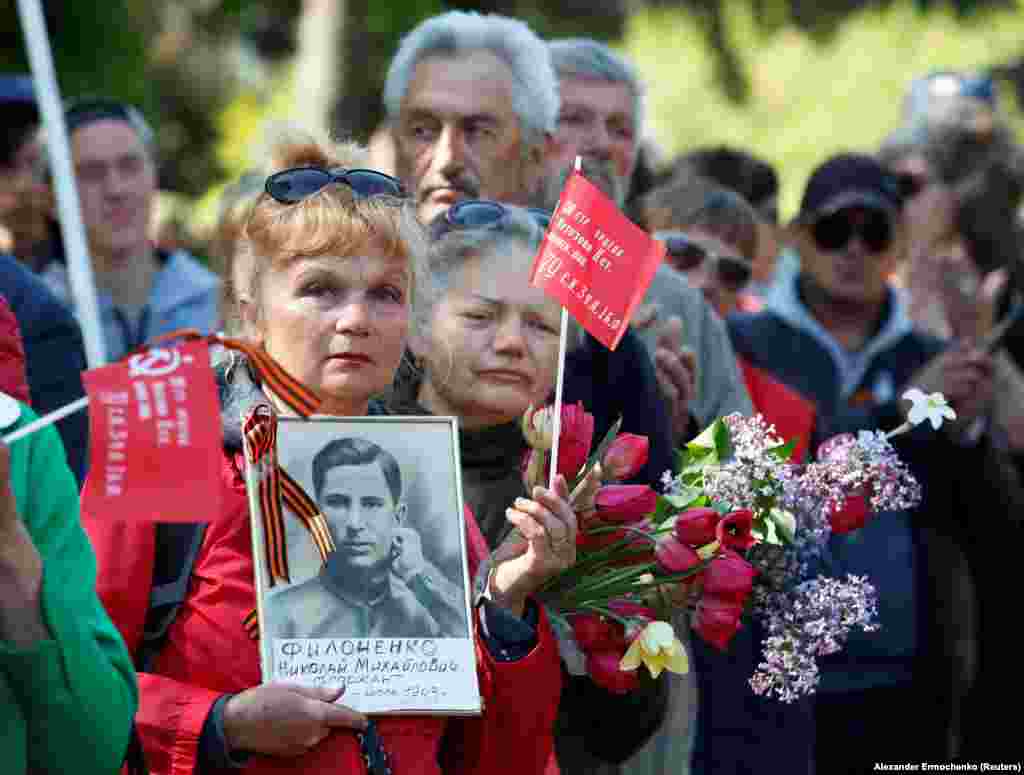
764	531
597	455
783	452
705	441
723	441
785	524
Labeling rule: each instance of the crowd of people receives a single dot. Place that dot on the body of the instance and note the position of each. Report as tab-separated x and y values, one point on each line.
394	280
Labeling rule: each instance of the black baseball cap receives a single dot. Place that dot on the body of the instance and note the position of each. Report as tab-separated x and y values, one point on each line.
850	180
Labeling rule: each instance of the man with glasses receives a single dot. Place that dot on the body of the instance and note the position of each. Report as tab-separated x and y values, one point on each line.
839	335
143	291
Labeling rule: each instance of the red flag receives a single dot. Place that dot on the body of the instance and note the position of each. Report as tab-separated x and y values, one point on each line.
155	437
595	261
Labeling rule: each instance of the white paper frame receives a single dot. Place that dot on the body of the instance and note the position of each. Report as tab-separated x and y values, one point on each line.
382	675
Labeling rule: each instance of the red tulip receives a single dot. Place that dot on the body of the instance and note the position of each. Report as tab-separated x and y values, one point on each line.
717	621
603	667
574	439
733	532
675	556
696	527
596	633
729	578
625	502
852	514
626	455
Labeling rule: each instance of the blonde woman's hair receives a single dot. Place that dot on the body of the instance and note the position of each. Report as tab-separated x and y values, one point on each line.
333	221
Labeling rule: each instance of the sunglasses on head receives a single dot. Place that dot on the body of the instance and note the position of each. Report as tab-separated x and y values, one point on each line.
685	255
833	232
484	215
293	185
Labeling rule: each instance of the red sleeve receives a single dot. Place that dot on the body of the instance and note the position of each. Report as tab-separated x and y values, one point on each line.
515	733
13	380
171	714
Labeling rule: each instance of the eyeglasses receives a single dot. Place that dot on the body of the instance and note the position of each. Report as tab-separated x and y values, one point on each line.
485	215
685	255
833	232
293	185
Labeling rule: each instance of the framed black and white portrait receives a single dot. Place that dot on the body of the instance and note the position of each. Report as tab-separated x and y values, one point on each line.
361	562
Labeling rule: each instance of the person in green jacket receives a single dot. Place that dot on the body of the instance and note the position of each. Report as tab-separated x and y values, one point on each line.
67	684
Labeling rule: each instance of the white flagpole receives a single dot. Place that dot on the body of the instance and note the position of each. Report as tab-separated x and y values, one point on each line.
563	338
47	419
83	287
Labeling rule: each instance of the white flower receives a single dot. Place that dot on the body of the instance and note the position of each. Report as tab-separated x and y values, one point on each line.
928	407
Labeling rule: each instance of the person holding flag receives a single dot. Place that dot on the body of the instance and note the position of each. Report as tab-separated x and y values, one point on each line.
488	352
337	280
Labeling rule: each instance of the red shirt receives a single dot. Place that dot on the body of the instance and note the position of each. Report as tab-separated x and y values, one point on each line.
209	653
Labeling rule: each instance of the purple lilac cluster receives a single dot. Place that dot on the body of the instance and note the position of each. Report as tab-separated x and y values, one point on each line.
813	620
866	462
753	478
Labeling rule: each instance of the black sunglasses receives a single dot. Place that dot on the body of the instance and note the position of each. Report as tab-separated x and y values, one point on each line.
833	232
293	185
486	215
684	255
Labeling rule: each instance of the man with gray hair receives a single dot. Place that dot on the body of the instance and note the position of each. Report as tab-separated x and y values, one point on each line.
472	100
600	120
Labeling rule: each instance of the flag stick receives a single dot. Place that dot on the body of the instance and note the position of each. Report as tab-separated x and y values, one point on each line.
47	419
80	275
556	427
563	338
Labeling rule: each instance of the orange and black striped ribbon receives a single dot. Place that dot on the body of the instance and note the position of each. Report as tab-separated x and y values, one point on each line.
260	431
259	428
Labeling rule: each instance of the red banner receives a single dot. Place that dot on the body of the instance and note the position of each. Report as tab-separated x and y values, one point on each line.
595	261
155	437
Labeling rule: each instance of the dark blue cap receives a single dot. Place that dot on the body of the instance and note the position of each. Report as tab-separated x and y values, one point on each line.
850	180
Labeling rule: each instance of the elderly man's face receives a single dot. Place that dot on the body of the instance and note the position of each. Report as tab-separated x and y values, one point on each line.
596	121
116	184
458	137
360	513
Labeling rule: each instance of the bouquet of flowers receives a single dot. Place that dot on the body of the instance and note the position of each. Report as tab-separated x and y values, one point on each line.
739	530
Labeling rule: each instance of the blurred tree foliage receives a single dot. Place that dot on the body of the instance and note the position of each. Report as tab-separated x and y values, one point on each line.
208	72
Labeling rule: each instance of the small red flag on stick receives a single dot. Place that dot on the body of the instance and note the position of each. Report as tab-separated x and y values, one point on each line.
595	261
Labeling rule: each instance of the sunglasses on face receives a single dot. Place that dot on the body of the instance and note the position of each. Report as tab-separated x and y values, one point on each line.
293	185
484	215
834	232
685	255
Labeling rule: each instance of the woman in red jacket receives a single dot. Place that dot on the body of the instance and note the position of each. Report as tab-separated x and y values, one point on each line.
338	275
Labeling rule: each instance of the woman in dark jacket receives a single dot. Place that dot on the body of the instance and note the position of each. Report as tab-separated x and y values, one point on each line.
487	352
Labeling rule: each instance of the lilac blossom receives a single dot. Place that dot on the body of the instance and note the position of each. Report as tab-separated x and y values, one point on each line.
814	620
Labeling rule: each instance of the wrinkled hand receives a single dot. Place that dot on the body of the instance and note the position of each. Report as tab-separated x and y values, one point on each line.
408	549
282	719
964	375
545	546
676	368
969	299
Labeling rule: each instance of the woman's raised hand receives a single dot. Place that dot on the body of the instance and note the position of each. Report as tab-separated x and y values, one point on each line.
283	719
545	546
